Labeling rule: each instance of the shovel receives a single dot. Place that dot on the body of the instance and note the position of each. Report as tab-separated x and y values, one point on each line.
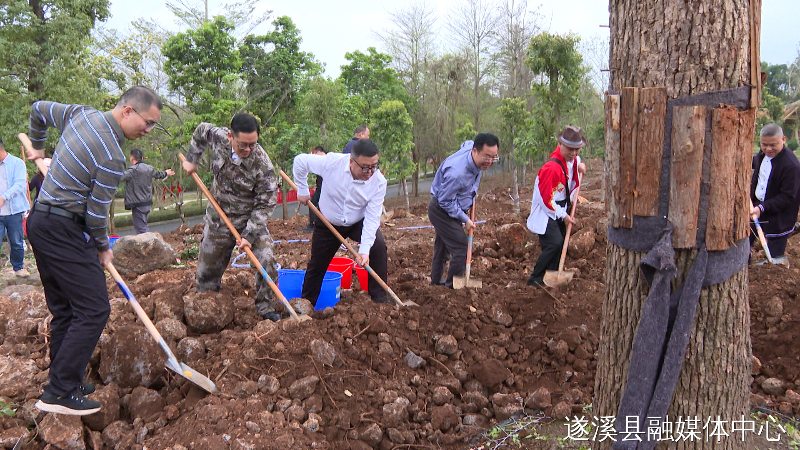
172	362
761	236
465	281
350	248
554	278
250	254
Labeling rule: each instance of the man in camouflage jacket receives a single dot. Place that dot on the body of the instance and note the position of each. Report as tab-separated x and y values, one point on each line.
245	186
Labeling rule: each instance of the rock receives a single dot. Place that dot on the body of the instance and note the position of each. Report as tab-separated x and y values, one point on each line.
444	418
142	253
146	404
559	349
395	414
323	352
109	413
490	372
304	387
9	437
441	395
62	431
581	244
506	405
539	400
115	433
756	366
191	349
475	398
313	404
168	304
773	309
171	329
372	435
268	384
300	306
131	358
265	327
562	411
446	345
17	376
512	238
313	423
773	386
792	397
207	312
414	361
295	412
499	315
212	413
245	389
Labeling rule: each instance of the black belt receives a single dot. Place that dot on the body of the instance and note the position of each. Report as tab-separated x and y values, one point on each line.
55	210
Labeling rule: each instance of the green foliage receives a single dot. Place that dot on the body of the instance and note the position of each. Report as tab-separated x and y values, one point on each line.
203	66
783	80
771	110
392	133
466	132
7	410
321	107
515	121
793	144
370	77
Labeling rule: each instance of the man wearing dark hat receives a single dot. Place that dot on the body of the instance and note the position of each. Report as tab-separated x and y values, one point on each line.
555	183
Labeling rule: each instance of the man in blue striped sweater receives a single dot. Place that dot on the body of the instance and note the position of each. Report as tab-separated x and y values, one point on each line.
67	230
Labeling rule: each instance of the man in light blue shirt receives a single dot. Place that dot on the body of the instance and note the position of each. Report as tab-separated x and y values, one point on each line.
13	204
452	194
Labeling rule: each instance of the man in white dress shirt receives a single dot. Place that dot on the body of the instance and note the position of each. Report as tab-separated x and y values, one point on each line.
354	192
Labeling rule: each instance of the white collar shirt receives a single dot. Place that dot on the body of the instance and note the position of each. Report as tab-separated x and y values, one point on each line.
344	200
763	178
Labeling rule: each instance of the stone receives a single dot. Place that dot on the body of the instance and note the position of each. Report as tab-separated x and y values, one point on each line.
191	349
395	414
295	412
168	304
756	370
475	398
142	253
444	418
773	386
312	425
512	238
304	387
581	244
131	358
559	349
414	362
115	433
792	397
372	435
17	376
207	312
212	413
446	345
506	405
539	400
171	329
323	352
245	389
268	384
441	395
500	316
490	372
773	307
562	411
9	437
265	327
146	404
63	432
109	413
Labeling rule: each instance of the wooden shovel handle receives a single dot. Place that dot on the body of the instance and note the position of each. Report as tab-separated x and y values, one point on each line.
28	146
569	227
350	248
237	237
469	239
760	232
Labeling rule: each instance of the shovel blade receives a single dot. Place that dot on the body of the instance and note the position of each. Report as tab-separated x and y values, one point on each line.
192	375
462	282
554	278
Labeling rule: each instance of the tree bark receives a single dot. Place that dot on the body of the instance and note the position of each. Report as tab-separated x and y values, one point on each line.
688	48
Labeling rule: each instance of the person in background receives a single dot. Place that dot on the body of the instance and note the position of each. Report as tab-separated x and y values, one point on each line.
361	132
13	205
138	180
775	192
555	184
352	200
37	180
312	218
453	192
67	230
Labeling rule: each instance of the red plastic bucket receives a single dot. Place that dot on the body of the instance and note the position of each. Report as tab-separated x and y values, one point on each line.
343	266
363	278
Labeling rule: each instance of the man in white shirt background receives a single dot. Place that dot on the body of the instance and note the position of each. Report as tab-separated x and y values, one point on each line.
354	192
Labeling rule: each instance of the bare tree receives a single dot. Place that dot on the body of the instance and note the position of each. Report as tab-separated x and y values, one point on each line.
517	26
594	50
243	14
473	25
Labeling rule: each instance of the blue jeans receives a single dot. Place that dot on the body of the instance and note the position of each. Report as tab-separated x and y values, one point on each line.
11	226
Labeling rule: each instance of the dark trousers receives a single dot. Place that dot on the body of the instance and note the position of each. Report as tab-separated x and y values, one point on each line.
312	218
75	290
777	245
324	245
450	243
140	214
552	242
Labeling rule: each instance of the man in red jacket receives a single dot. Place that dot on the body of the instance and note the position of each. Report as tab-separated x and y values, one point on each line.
555	183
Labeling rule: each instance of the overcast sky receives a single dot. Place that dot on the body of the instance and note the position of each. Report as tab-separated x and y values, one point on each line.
332	28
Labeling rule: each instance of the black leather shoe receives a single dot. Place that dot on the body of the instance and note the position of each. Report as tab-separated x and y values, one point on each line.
273	316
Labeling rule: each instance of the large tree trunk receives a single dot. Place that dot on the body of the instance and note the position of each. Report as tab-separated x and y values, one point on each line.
688	48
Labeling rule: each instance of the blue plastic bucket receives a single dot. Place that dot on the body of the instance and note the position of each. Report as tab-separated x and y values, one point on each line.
111	239
290	282
331	291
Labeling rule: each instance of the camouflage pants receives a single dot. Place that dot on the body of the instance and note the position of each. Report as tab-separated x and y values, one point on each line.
215	254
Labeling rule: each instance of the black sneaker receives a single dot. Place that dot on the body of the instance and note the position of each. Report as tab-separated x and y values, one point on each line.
273	316
74	404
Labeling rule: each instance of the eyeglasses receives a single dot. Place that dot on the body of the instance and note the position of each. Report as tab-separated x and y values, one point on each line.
366	169
491	159
148	124
243	147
